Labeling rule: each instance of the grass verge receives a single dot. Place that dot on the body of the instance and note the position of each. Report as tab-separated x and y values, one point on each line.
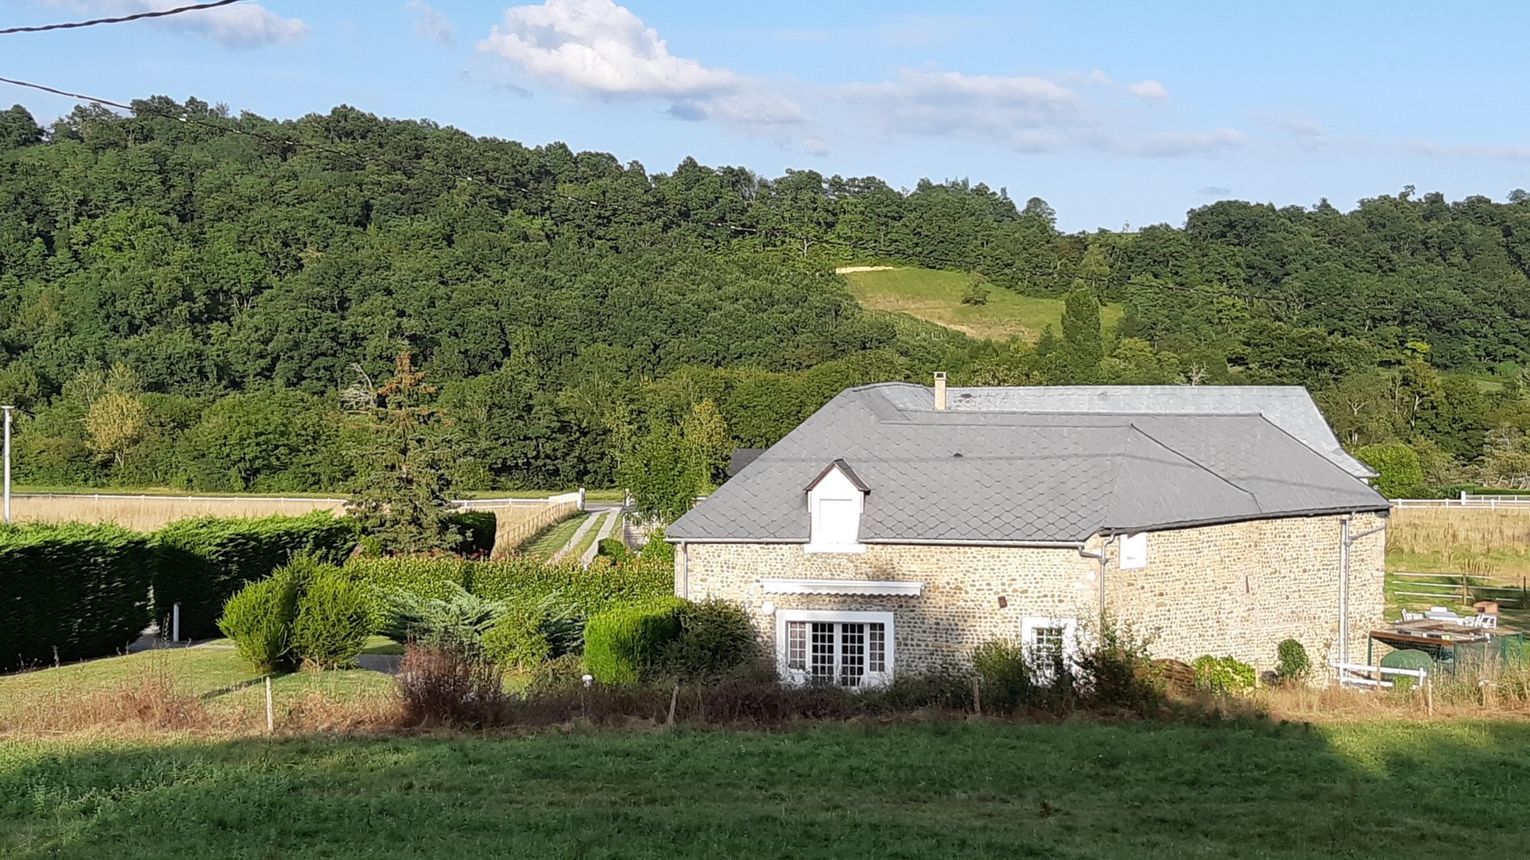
553	538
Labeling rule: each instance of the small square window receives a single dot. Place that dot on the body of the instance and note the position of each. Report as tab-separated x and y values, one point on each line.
1134	551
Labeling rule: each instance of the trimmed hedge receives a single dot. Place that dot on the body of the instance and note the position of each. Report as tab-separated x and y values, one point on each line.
418	577
625	644
204	561
80	589
259	617
586	590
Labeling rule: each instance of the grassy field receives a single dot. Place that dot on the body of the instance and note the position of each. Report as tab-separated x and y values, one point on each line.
935	296
1399	789
1490	543
210	674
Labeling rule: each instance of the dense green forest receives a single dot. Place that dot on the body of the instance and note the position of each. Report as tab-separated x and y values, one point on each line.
186	297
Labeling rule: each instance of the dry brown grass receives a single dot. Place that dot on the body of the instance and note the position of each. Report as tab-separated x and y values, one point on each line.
1502	694
1481	542
148	513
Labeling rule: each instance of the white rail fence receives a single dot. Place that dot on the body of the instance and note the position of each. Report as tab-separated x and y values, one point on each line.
1375	677
1468	500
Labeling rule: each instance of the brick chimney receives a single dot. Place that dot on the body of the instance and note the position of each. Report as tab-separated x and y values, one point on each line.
940	391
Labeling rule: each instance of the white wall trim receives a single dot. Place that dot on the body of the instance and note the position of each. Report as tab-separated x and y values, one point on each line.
842	586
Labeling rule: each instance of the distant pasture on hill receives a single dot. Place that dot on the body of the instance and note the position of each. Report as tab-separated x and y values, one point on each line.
936	296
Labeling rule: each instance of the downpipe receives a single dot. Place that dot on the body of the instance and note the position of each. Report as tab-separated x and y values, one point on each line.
1347	539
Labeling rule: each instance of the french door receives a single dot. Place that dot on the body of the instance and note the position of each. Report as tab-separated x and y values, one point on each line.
847	649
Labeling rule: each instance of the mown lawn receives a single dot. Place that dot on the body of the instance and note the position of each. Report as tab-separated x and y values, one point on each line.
935	296
1395	789
211	672
550	541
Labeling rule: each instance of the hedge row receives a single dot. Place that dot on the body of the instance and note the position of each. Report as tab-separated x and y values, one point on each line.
202	562
71	591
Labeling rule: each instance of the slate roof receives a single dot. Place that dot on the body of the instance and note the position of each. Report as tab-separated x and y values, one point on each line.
984	471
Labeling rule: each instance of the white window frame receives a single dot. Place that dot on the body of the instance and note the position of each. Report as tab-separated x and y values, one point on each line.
829	616
834	486
1134	551
1031	623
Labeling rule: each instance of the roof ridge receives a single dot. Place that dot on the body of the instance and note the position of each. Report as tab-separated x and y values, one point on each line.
1202	466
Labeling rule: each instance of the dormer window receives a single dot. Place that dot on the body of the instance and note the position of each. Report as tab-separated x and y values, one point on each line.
836	499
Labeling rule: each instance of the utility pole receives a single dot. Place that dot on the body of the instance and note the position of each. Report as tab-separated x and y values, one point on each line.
7	461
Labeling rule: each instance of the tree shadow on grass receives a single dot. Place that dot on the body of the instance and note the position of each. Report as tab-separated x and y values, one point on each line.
1078	789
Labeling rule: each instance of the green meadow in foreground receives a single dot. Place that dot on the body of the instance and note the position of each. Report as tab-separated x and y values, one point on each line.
1396	789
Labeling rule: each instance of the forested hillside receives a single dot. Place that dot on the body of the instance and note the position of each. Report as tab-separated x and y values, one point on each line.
182	302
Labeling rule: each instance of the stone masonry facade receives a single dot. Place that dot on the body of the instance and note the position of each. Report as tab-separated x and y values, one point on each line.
1236	589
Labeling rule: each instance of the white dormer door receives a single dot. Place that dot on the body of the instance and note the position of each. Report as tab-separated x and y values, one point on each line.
835	504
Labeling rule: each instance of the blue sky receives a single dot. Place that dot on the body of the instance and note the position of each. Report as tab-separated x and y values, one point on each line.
1116	113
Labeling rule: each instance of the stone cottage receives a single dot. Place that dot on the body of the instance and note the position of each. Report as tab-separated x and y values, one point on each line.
900	526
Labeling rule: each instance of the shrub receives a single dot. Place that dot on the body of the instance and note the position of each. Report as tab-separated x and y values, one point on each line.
716	638
460	620
259	620
1399	473
202	562
976	293
333	621
516	640
613	548
586	590
393	582
1223	675
477	530
71	591
625	644
1005	675
657	550
1292	664
444	686
1115	671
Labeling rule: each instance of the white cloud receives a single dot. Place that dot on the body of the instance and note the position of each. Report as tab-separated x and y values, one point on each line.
1025	113
430	23
1021	110
1148	90
1489	151
242	25
598	47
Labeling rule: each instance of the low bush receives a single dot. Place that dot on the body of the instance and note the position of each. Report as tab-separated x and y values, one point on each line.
1223	675
458	620
625	644
444	686
71	591
657	550
389	580
333	622
259	620
1006	678
530	632
1115	671
202	562
1292	663
613	548
715	639
477	530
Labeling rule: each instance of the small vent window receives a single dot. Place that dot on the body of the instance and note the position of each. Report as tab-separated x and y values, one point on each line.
1134	551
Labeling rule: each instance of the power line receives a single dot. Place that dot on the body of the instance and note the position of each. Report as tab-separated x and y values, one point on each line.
123	19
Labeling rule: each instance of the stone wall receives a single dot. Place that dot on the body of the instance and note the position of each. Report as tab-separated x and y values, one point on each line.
958	608
1239	589
1235	589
